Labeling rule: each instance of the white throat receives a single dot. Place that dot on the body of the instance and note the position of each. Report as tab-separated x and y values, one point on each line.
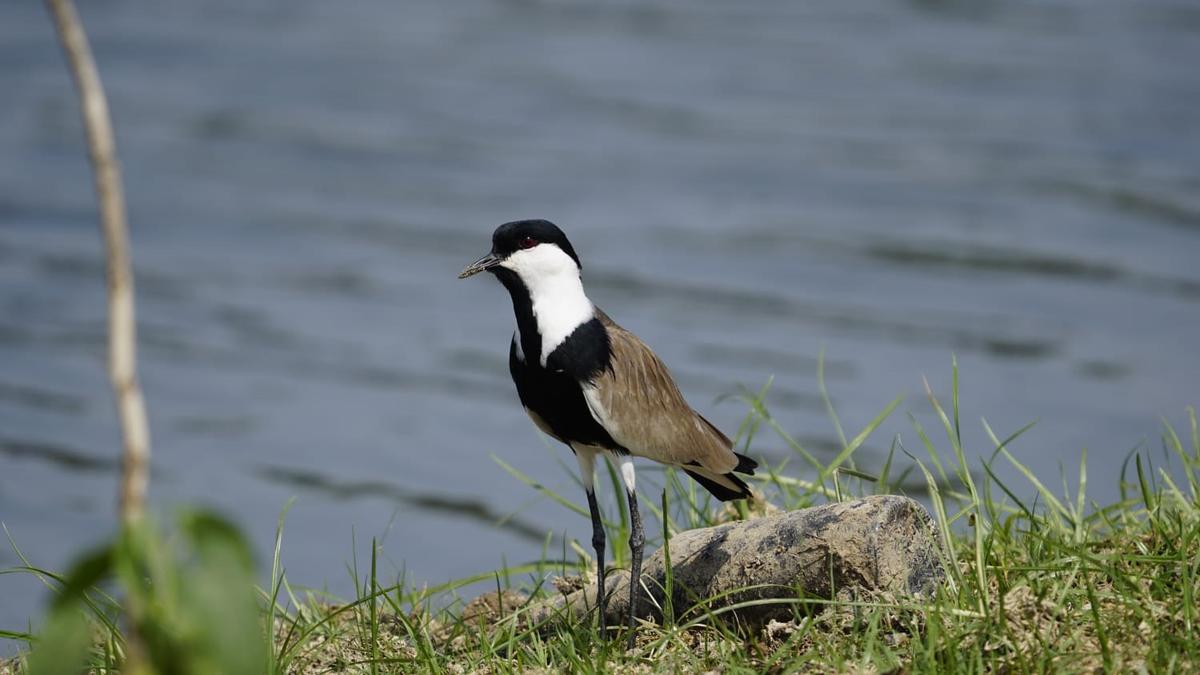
555	291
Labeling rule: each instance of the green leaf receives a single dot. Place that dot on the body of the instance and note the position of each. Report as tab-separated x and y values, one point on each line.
219	595
86	573
63	644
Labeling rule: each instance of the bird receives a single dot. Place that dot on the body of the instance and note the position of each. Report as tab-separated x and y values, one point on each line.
595	387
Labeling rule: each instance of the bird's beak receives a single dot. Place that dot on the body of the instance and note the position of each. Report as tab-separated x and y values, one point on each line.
482	265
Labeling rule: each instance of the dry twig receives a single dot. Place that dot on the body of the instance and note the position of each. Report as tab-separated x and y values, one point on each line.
122	338
122	325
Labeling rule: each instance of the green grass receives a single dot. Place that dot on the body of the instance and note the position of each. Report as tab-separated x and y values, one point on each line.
1039	579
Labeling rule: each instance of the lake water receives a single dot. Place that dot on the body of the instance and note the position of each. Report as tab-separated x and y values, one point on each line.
1014	183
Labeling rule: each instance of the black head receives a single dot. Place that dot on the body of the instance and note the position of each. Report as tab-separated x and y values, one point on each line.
523	234
520	235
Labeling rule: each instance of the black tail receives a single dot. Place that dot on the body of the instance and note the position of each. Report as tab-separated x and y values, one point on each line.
745	465
720	491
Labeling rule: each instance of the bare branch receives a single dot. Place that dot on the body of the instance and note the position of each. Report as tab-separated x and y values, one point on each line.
122	338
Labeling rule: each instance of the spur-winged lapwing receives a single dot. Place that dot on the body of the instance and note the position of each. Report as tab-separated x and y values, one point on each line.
596	387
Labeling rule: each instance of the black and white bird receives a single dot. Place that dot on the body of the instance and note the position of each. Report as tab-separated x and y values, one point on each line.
596	387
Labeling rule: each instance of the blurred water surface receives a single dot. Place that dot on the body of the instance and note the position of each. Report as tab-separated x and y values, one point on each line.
1016	183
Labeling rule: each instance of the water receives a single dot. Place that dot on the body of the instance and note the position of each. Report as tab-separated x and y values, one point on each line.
1015	183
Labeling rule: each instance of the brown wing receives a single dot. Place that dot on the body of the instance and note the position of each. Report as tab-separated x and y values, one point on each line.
640	406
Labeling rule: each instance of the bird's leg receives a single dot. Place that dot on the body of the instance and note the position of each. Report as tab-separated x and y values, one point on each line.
637	540
587	474
598	547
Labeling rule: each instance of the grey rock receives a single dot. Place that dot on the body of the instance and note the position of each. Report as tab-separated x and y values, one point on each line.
881	543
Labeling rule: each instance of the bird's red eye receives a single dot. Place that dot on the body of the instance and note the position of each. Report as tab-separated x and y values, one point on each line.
528	242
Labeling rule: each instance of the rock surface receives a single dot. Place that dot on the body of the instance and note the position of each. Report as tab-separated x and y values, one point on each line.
882	543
